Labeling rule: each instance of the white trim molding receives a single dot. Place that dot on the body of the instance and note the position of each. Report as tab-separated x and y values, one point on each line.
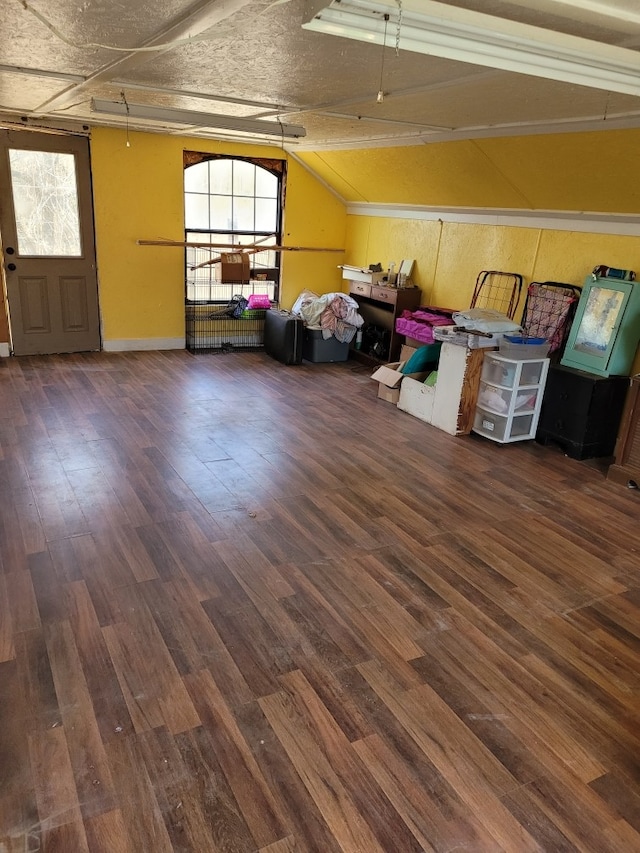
554	220
136	344
5	352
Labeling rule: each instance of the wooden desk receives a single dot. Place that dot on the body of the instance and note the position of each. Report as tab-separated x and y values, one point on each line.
380	306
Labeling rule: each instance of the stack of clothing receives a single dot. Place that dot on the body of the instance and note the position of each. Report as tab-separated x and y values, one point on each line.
419	324
336	314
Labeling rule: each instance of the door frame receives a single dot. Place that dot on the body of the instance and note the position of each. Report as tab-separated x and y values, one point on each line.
77	144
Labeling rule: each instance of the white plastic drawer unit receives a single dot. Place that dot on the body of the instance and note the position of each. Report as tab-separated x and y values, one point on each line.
509	397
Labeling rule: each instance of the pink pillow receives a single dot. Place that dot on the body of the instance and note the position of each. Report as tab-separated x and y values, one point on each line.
259	300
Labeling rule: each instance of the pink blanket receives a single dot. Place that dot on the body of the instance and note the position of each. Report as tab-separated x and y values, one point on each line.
419	324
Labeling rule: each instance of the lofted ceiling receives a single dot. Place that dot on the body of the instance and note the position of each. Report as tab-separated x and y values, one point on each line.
254	59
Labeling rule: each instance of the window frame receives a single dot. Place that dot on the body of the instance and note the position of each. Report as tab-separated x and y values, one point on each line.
270	284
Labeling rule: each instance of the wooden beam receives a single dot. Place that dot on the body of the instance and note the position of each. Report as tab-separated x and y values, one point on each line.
234	247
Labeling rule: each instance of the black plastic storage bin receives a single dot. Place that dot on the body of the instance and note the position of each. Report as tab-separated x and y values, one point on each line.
316	349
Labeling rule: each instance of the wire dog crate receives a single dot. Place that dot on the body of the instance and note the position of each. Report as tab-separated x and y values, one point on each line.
210	330
211	323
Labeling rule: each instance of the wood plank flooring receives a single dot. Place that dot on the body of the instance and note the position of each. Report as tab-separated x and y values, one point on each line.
247	607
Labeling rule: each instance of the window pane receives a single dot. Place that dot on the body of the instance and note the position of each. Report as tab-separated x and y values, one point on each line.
266	184
194	237
233	190
196	178
221	212
196	210
220	171
228	239
266	213
243	214
264	259
245	239
243	178
46	203
196	255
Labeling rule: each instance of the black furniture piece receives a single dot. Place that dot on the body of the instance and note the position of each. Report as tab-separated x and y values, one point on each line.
581	411
283	333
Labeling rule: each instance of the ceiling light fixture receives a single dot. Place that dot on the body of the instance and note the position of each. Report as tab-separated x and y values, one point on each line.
437	29
197	119
380	97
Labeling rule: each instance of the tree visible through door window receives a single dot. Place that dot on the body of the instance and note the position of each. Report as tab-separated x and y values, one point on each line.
233	201
45	201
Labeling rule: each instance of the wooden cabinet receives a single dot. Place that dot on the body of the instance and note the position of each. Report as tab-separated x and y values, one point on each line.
379	307
626	467
581	411
448	405
359	288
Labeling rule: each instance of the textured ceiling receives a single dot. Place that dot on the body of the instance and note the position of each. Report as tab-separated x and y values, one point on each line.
252	58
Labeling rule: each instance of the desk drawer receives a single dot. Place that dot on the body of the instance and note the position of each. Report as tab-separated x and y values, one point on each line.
384	294
358	288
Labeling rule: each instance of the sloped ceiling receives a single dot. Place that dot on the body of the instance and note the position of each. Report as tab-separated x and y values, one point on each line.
582	172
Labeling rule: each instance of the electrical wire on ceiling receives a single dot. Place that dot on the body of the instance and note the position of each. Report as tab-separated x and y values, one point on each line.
398	27
272	4
126	105
93	45
207	35
380	95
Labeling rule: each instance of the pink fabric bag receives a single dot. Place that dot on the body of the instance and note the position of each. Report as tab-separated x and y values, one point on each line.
259	300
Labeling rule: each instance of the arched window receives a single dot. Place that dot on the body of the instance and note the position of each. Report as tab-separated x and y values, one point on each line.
236	201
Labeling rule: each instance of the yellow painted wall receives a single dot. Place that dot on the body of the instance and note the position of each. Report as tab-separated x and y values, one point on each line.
313	217
138	194
449	256
595	172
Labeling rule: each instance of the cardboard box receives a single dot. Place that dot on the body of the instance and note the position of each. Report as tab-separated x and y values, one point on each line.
390	380
390	395
389	374
413	342
234	268
407	351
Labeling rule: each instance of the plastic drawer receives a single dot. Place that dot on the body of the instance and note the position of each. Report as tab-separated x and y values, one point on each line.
502	428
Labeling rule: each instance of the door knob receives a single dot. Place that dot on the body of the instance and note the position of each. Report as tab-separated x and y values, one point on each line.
10	250
11	267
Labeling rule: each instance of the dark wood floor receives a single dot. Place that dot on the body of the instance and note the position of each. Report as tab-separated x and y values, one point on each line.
248	607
